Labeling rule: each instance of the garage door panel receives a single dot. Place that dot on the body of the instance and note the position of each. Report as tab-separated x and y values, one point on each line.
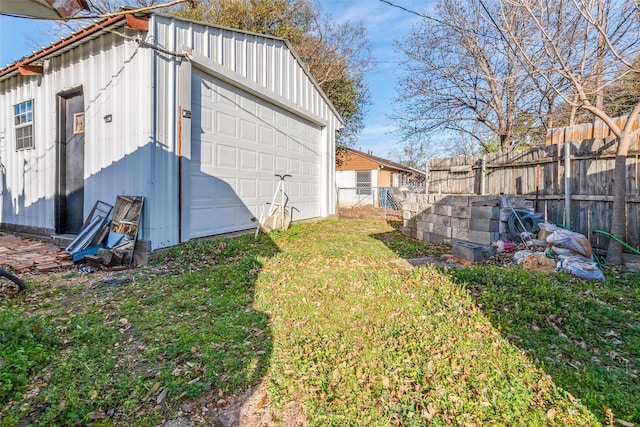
294	145
225	125
202	189
224	96
266	163
266	188
248	160
282	165
294	166
282	142
238	143
206	123
248	106
248	131
265	112
226	157
248	188
266	136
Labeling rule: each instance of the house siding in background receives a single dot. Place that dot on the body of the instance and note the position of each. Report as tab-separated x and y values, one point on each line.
384	173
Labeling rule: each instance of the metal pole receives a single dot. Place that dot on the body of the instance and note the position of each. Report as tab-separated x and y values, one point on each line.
567	184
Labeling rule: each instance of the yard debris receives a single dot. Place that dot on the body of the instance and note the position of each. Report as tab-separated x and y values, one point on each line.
580	266
535	261
109	241
566	242
21	255
555	249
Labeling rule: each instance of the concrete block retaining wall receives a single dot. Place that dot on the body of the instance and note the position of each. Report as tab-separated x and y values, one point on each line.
442	218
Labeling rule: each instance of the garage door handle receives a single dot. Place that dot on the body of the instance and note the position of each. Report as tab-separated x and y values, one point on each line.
282	177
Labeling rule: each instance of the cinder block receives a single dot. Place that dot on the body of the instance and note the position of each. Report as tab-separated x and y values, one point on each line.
421	225
484	201
444	210
458	223
485	212
461	212
432	237
413	207
442	230
467	250
484	224
483	237
455	200
461	233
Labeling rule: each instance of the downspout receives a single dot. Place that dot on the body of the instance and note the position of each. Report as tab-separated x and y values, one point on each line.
179	150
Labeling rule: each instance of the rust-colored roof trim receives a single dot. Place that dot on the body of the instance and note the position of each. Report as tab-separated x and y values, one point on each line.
137	23
31	69
73	38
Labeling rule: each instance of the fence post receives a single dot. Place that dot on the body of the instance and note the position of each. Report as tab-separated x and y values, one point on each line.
567	184
426	176
483	173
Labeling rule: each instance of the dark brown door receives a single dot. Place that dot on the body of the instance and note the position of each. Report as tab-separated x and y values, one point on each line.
70	206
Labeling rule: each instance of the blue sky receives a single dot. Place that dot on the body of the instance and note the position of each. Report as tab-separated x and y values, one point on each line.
20	37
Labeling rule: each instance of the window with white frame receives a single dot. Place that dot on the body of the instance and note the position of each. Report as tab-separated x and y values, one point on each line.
363	183
23	114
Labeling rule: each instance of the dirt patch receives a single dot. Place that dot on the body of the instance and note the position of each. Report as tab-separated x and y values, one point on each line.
251	409
369	211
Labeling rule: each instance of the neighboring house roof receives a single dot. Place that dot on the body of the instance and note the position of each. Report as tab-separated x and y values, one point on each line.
33	64
347	152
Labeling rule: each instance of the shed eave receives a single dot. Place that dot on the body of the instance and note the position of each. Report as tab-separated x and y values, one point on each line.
61	45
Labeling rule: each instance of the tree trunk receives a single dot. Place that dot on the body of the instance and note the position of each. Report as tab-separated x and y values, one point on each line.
618	216
505	143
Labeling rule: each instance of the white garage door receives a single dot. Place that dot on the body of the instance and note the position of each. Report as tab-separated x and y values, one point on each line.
239	142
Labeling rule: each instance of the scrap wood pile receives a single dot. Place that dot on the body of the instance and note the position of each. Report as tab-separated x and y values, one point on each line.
107	240
554	249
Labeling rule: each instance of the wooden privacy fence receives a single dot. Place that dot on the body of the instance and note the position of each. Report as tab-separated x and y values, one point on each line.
567	178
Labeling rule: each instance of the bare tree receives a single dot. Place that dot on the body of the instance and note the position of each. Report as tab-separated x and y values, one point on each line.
462	76
604	52
337	55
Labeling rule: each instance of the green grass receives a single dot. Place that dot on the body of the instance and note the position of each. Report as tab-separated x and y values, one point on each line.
586	335
325	315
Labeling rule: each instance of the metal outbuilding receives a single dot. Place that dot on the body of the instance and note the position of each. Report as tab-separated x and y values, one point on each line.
196	118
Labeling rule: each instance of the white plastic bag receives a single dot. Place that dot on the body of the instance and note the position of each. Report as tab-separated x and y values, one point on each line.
580	266
566	239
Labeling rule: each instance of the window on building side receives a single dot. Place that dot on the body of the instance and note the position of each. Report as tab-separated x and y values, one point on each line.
363	183
23	114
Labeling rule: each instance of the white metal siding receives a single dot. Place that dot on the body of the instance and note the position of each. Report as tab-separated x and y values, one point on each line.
265	62
108	68
137	152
